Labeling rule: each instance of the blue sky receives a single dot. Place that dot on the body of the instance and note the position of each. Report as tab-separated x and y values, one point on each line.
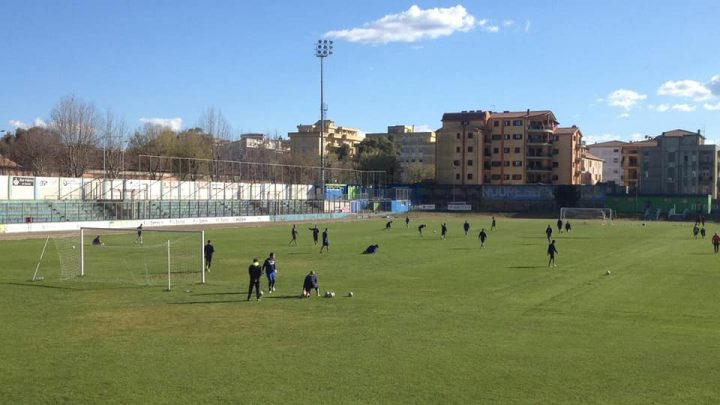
617	69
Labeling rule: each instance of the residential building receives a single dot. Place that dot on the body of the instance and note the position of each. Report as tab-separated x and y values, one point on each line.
416	151
680	163
485	147
7	166
631	161
568	155
592	169
255	147
611	154
305	143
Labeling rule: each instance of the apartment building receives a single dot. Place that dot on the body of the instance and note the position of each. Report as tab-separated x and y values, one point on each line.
305	143
630	162
592	169
485	147
416	150
255	146
612	156
680	163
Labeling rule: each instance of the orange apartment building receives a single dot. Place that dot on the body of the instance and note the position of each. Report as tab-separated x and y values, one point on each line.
631	161
485	147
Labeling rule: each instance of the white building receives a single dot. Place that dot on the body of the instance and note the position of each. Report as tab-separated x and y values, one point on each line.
611	154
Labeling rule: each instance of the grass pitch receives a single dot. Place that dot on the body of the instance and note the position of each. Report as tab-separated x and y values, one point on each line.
431	321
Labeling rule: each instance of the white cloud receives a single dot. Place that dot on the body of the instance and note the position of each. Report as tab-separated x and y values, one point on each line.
527	26
673	107
624	115
712	107
714	85
685	88
487	27
173	123
39	122
625	98
424	128
508	23
591	139
409	26
636	136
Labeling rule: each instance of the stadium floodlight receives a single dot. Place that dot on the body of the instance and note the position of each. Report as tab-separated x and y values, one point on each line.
323	49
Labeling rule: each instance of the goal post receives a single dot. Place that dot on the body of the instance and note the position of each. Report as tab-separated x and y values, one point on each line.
603	214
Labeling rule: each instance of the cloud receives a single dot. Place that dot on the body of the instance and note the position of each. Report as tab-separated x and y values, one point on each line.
527	26
411	25
424	128
487	27
712	107
625	98
674	107
636	136
624	115
173	123
685	88
591	139
39	122
714	85
508	23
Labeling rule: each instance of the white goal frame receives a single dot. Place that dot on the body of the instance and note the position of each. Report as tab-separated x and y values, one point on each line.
606	213
201	246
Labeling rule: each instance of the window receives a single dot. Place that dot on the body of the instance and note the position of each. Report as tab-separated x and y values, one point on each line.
507	137
506	150
486	165
615	160
517	136
458	135
616	150
413	160
456	163
457	149
555	164
469	176
517	176
496	137
470	149
487	151
496	177
496	163
457	176
470	135
419	160
555	177
506	163
496	123
517	150
507	123
470	162
555	151
496	150
517	123
517	163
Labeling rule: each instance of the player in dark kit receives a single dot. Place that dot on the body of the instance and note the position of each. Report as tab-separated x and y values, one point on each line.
482	236
97	241
466	227
371	249
139	235
407	221
420	229
270	270
293	236
696	230
552	251
492	226
559	225
388	225
255	271
716	242
310	283
568	228
316	231
326	242
443	230
209	251
548	232
702	232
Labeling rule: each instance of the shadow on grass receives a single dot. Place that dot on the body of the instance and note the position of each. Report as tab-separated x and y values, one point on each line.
221	293
213	302
36	284
465	248
283	297
525	267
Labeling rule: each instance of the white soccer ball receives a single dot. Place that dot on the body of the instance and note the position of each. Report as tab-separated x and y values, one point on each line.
332	294
73	246
608	273
434	231
350	294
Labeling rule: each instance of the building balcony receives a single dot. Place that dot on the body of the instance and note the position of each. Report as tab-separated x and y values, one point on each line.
540	129
539	140
539	169
539	157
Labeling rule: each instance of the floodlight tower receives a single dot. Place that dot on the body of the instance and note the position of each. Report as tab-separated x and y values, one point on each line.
323	49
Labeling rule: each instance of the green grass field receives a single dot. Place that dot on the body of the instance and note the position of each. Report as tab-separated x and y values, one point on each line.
431	321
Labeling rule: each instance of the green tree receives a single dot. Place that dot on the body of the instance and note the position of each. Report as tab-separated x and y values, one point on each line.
379	154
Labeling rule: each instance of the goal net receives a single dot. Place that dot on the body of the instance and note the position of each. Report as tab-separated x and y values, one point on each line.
603	214
103	255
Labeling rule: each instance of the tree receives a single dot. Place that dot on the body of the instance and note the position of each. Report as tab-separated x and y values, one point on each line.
114	134
196	147
76	124
153	141
378	154
417	172
215	125
37	149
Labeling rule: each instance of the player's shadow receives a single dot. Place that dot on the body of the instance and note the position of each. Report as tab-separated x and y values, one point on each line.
297	297
464	248
524	267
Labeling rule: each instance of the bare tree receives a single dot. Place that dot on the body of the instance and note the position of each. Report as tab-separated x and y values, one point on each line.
76	123
114	134
214	124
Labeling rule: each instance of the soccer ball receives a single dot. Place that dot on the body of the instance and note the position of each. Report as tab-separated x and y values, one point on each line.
350	294
608	273
332	294
434	231
73	246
